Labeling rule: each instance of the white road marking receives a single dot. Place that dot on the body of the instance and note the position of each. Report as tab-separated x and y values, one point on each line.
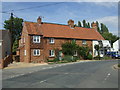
49	67
107	77
43	81
43	68
65	73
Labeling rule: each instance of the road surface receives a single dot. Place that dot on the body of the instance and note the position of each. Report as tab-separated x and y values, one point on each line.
95	74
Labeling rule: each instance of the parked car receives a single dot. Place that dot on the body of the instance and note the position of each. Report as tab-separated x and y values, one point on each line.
113	54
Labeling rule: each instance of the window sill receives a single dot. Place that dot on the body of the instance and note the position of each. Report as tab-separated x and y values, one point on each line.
36	42
51	56
36	55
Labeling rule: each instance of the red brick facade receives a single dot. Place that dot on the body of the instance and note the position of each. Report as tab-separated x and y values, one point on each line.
27	46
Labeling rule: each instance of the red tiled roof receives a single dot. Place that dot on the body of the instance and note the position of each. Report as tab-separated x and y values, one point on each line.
62	31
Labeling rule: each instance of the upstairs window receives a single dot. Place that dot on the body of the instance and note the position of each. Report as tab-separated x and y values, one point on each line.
84	42
36	39
36	52
51	53
51	40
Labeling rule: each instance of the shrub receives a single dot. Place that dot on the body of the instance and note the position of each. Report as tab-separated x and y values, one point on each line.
89	57
118	65
97	58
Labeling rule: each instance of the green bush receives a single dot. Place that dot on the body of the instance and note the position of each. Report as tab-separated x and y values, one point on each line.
118	65
97	58
89	57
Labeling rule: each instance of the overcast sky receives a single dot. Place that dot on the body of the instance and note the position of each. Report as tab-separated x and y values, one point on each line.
103	12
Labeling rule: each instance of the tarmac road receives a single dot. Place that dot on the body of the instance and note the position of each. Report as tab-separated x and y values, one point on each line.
94	74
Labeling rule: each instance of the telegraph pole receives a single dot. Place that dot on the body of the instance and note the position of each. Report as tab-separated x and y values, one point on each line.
11	32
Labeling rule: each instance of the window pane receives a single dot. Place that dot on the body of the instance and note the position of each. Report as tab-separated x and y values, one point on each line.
34	52
37	52
36	39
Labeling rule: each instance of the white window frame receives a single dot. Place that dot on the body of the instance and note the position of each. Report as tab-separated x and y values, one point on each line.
36	39
51	40
25	53
84	42
36	52
51	53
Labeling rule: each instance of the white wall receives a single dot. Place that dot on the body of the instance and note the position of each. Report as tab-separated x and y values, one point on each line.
94	51
116	45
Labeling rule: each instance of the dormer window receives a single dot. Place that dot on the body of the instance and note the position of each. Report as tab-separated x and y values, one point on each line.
36	39
51	40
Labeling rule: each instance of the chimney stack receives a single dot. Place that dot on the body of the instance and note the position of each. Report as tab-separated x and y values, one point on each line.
94	25
39	20
71	23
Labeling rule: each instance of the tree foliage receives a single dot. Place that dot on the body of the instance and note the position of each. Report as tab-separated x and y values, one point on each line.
104	28
84	24
69	48
15	27
79	24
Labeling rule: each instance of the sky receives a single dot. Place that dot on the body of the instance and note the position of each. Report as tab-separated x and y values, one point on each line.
103	12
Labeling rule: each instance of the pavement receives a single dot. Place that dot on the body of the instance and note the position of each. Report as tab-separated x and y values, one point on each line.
89	74
23	65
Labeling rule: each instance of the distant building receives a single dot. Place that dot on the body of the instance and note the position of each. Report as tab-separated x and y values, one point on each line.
105	46
40	39
5	45
116	46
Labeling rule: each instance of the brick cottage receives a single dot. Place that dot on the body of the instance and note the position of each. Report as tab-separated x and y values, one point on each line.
40	39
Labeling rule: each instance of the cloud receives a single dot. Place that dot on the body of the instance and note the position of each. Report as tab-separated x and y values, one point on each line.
111	22
107	4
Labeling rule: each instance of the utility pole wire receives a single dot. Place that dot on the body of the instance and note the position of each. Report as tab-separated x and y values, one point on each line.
33	7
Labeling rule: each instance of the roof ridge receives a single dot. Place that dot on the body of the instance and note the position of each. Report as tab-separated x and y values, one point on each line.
57	24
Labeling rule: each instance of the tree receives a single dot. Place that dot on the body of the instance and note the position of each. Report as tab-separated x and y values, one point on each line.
88	25
15	27
79	24
109	36
69	48
84	24
98	28
83	52
97	48
104	28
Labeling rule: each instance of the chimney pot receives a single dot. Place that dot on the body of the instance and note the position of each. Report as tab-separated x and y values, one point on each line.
39	20
94	25
71	23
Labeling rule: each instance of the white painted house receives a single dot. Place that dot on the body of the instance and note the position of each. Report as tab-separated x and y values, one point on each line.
116	46
105	44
